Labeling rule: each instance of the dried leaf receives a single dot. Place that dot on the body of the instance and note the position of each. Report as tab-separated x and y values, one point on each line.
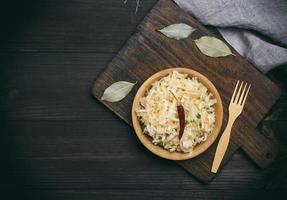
117	91
177	31
213	47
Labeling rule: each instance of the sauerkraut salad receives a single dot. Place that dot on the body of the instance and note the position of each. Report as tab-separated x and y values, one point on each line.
158	112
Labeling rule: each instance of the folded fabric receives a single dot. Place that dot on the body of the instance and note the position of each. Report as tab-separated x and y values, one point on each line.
257	29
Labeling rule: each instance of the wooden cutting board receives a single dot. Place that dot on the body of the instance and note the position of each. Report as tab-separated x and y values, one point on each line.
148	52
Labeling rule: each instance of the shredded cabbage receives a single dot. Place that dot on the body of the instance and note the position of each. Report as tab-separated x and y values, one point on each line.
158	113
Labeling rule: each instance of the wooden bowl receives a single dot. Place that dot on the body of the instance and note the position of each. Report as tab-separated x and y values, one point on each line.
160	151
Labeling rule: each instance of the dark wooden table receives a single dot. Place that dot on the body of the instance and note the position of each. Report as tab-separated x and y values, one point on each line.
57	142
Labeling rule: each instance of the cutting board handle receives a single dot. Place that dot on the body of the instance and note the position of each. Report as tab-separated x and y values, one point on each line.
261	149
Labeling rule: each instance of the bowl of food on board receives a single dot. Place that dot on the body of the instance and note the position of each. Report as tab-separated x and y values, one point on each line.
177	113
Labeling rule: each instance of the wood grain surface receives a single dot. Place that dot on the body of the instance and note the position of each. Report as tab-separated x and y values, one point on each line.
148	52
57	142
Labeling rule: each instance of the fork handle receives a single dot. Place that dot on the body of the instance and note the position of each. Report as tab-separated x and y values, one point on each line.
222	146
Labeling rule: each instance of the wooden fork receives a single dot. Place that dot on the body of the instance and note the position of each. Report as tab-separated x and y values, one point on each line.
236	105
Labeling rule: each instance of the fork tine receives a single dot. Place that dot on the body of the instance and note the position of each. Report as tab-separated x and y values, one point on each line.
238	93
245	97
242	94
234	92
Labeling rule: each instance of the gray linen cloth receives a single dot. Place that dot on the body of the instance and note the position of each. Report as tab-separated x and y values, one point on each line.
257	29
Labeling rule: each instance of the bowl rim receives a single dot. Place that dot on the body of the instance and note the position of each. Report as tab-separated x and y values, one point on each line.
160	151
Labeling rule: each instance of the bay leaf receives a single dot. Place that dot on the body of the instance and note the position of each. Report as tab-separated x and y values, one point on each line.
213	47
177	31
117	91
